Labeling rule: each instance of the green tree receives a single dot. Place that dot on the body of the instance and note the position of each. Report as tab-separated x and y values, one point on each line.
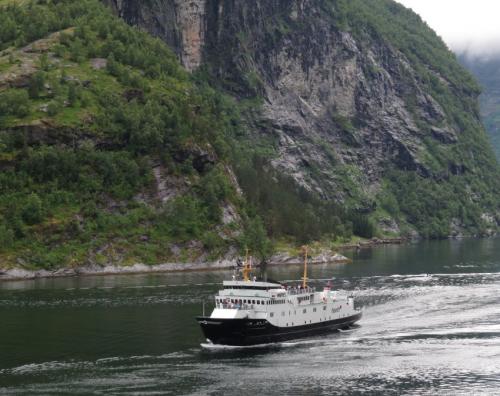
184	218
256	240
32	211
14	102
36	85
72	94
44	62
53	108
6	237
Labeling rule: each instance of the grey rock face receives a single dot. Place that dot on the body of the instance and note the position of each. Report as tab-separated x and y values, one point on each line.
337	106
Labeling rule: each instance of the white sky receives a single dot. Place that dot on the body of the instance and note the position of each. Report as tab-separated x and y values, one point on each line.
471	26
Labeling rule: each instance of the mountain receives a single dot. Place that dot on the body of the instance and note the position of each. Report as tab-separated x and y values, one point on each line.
359	102
487	71
303	120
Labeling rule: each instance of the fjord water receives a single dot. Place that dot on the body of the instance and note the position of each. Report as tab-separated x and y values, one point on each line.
431	325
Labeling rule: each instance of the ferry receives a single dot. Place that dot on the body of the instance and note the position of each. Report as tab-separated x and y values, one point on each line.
250	311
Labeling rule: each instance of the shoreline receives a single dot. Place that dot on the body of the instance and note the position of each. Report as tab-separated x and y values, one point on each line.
279	259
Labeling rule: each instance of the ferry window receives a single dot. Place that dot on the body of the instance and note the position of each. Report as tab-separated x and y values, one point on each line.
271	314
253	301
324	308
314	309
304	310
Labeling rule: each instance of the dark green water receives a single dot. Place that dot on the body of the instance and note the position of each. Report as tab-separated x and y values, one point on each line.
431	326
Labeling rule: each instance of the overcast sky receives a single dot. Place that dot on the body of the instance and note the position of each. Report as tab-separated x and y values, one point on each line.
471	26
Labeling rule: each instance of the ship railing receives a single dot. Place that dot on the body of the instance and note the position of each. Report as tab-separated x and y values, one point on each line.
292	291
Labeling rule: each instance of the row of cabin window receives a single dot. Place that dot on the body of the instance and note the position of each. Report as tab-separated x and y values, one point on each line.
303	311
245	301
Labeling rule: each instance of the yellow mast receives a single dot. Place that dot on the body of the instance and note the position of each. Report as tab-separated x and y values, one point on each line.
304	279
246	269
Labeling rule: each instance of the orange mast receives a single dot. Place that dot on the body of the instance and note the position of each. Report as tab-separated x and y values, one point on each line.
304	279
246	269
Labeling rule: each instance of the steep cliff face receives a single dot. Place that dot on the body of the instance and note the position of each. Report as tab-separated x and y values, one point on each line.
351	93
180	23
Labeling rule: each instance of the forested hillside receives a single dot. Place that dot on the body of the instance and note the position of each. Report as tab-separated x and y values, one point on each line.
108	151
299	121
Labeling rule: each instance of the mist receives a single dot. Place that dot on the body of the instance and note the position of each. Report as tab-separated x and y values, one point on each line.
468	27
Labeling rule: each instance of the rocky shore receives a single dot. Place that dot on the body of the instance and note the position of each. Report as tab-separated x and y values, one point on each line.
278	259
282	258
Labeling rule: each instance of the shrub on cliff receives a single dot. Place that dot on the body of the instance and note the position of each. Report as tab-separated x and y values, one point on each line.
14	102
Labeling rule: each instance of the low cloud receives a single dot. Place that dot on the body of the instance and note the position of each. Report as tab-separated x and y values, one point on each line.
469	27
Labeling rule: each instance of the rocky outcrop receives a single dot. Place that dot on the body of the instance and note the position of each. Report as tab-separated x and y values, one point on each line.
324	257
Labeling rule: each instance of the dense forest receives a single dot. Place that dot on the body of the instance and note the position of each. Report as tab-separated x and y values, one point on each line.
77	142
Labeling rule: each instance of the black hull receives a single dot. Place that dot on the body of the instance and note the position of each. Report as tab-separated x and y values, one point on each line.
245	332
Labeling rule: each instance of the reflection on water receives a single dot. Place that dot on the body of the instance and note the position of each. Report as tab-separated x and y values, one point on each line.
431	325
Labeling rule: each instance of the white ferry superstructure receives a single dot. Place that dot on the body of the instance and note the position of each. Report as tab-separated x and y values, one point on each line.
251	312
